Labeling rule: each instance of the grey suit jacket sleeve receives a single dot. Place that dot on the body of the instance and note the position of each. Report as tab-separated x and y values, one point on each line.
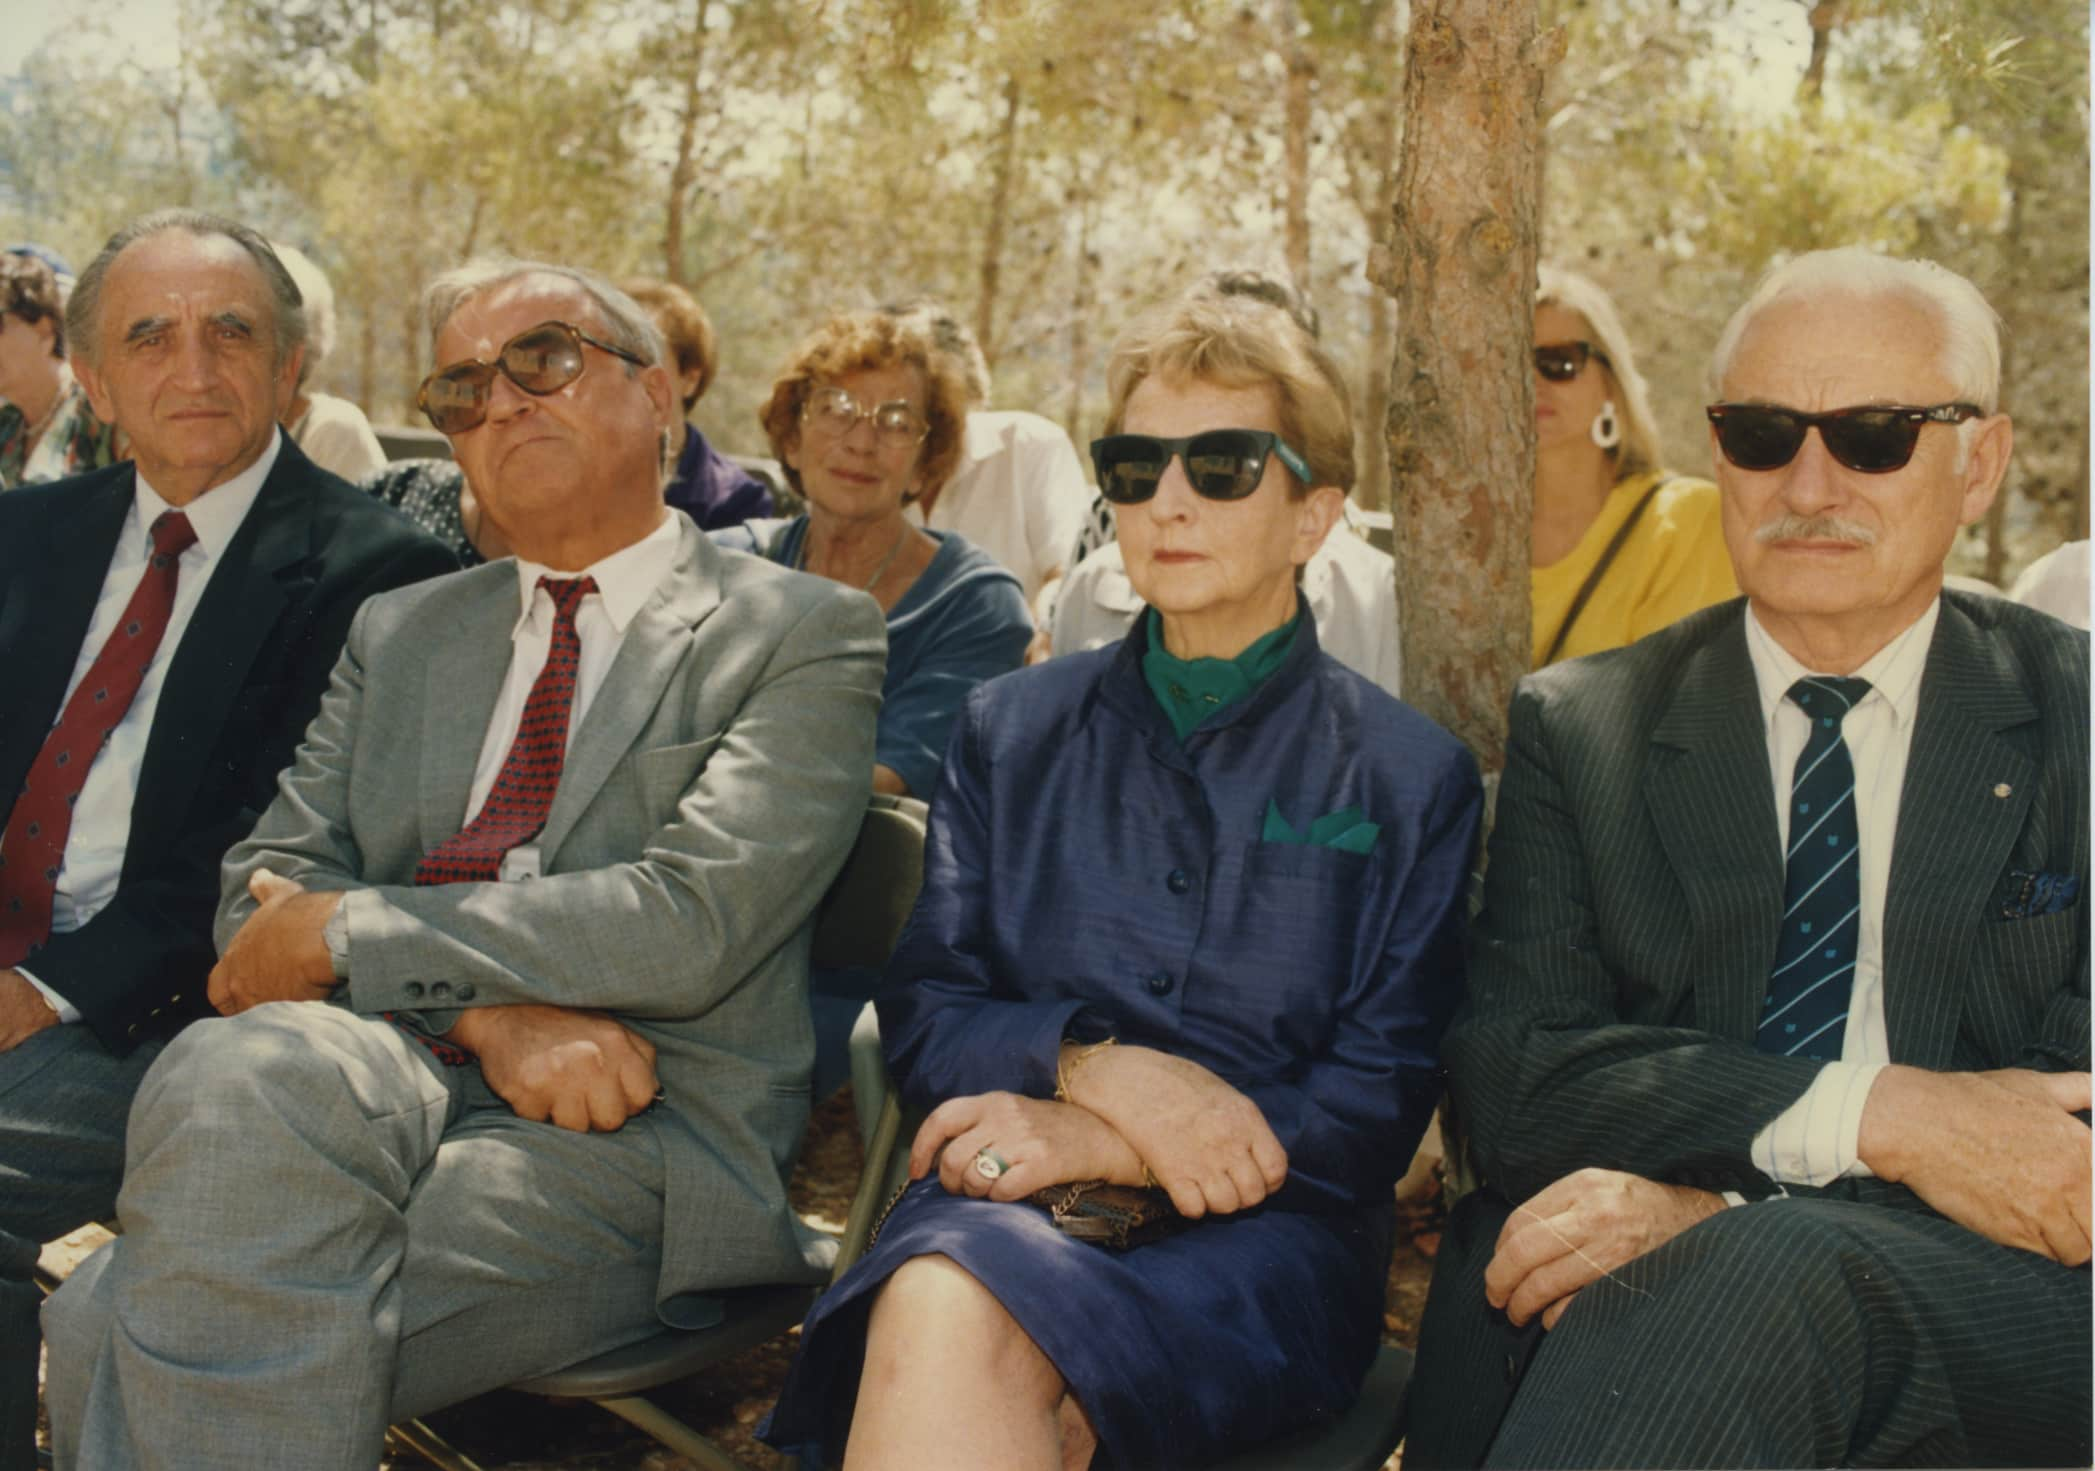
1547	1070
700	902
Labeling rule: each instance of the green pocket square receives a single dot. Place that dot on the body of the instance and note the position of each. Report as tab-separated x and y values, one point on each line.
1347	830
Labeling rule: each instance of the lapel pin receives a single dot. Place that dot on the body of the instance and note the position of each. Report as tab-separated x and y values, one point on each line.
2002	789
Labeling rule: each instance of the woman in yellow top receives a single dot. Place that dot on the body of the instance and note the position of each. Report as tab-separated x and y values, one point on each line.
1621	546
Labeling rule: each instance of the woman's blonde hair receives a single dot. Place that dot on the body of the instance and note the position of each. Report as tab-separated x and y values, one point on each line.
851	342
1239	342
1639	450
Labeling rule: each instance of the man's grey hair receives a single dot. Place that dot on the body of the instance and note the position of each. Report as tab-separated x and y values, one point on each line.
83	310
951	337
1260	284
626	324
320	306
1970	327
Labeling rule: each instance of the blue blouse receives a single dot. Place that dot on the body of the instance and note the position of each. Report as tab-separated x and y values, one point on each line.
1089	875
962	621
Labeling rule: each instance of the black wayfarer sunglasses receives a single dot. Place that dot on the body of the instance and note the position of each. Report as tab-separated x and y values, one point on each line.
540	360
1873	438
1221	464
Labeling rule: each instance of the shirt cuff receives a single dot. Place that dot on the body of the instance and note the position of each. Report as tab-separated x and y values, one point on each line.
67	1012
1814	1140
335	935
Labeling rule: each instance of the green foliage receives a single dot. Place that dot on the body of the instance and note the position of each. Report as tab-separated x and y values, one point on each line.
1049	168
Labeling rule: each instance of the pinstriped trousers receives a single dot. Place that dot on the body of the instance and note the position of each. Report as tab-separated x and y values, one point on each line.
1799	1332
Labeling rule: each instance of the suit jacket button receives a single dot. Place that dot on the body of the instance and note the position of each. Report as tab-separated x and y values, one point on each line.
1178	881
413	990
465	991
1159	983
439	990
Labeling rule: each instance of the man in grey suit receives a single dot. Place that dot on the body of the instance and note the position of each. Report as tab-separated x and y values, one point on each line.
517	1042
1779	1018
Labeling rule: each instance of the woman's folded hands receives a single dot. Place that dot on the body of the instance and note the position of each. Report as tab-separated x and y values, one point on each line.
1134	1116
1006	1146
1202	1140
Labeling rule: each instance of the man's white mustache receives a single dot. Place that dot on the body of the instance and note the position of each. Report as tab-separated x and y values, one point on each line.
1816	528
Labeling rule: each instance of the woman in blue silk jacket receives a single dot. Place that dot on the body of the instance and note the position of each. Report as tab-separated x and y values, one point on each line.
1192	912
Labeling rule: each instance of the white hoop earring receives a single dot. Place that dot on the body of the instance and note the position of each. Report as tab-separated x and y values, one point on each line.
1606	430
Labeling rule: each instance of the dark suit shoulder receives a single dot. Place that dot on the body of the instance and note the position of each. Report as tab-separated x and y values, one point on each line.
346	524
2048	656
27	509
1631	685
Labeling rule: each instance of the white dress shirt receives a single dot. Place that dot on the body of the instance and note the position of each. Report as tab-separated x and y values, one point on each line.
1813	1141
1020	493
625	581
101	830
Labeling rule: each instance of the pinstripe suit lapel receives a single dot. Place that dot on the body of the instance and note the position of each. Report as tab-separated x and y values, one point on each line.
655	645
1706	787
1955	833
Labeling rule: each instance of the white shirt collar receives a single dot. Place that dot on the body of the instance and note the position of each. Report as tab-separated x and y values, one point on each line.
625	580
216	514
1893	671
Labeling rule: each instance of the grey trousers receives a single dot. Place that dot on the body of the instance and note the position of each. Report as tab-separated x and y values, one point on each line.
63	1101
326	1230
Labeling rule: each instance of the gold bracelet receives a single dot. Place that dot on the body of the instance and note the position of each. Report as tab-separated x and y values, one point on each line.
1066	1069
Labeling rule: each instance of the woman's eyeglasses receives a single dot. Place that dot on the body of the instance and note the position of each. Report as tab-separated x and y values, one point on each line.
1221	464
1873	438
836	412
1560	362
540	360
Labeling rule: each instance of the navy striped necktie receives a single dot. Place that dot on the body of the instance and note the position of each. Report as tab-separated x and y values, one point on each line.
1807	996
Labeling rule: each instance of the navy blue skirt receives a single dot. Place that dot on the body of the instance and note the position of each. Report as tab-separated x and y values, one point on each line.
1181	1352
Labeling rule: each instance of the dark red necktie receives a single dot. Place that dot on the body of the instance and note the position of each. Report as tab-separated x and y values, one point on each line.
517	804
32	850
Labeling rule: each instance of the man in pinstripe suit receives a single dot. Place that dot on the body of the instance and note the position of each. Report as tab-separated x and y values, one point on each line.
1764	1189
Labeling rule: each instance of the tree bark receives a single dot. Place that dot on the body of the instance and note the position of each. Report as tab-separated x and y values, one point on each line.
685	169
1295	134
993	235
1081	305
1825	15
1372	487
1462	416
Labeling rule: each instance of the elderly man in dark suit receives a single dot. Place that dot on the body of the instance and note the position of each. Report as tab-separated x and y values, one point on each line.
166	629
1779	1022
533	905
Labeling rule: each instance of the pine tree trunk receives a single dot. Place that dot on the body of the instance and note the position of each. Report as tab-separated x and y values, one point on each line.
1295	135
1462	440
999	219
685	169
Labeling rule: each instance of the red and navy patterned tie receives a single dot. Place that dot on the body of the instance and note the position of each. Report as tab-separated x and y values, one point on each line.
522	795
32	850
517	804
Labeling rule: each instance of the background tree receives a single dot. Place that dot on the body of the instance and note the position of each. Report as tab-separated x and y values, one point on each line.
1461	423
1050	166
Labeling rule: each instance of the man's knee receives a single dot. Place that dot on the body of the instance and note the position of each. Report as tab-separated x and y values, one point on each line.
1791	1264
266	1068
